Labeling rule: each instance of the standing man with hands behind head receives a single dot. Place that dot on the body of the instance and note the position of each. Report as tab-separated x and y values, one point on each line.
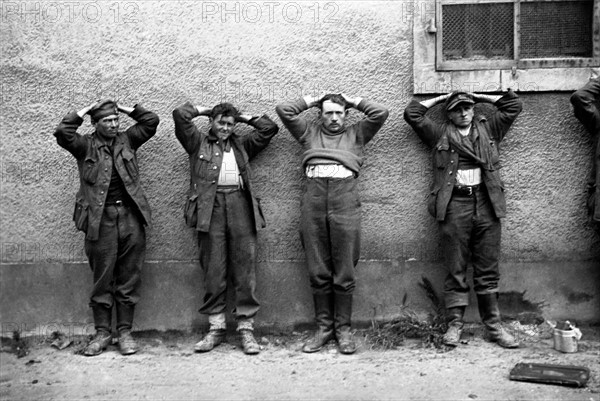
111	209
225	212
585	105
467	200
330	206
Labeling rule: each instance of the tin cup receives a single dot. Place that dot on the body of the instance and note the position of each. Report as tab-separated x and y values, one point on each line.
566	340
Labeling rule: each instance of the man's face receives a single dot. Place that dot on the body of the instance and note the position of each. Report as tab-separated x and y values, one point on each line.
461	115
333	116
222	127
107	127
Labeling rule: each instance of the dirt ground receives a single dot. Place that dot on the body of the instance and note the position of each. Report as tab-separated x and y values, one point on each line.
166	368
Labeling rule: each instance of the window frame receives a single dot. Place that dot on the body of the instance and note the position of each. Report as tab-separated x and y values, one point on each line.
516	61
531	75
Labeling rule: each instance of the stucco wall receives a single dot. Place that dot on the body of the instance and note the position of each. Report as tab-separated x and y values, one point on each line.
60	56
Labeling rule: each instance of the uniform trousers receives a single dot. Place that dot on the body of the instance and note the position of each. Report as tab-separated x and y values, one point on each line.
470	232
330	233
228	251
116	258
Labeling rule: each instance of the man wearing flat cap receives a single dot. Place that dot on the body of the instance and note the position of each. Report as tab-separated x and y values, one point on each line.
112	210
467	200
221	206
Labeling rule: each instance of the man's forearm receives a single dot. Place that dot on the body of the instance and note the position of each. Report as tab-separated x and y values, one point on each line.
429	103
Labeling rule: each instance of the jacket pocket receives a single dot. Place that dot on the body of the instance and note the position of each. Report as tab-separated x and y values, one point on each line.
80	215
130	163
90	170
432	201
190	211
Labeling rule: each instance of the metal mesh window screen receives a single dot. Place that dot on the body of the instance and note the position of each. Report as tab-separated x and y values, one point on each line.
556	29
478	32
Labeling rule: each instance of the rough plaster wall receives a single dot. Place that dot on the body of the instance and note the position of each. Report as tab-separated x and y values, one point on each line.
170	52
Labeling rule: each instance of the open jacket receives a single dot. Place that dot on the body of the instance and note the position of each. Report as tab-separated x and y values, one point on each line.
489	133
206	156
586	110
95	165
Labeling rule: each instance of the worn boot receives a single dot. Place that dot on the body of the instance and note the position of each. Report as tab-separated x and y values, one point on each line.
343	316
490	315
246	330
216	333
455	325
127	344
102	338
324	319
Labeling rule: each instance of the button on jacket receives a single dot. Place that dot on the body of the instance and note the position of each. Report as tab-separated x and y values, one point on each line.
95	163
489	133
206	155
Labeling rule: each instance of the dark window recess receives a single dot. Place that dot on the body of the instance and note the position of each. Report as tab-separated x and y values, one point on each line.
478	32
556	29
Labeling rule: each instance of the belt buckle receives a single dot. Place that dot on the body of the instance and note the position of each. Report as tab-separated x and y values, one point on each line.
470	190
119	203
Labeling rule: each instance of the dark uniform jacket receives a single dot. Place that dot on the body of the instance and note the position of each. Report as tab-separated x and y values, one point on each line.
586	110
95	165
206	157
488	134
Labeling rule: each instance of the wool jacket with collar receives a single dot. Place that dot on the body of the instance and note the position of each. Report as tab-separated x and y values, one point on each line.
206	156
95	163
489	133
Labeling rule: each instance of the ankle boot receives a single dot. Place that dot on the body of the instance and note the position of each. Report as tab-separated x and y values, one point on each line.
343	317
324	319
490	315
127	345
455	325
102	338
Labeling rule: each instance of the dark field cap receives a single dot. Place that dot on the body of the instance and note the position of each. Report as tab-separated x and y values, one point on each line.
457	98
103	109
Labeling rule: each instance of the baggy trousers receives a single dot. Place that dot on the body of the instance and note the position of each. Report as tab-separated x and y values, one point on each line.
228	250
116	258
472	231
330	233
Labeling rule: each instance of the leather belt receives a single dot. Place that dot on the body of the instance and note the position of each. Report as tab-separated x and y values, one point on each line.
466	190
117	203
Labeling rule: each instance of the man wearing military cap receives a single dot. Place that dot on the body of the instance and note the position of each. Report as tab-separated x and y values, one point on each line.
112	210
467	200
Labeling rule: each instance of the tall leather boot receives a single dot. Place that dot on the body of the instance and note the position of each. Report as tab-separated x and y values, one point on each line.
127	344
343	317
324	319
490	315
455	325
102	338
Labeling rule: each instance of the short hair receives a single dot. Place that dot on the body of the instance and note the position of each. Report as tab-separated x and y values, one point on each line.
225	110
335	98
